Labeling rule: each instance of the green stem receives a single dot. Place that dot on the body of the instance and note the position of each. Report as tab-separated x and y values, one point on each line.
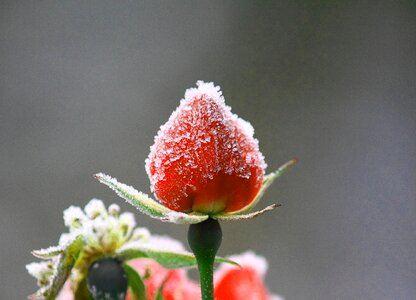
205	239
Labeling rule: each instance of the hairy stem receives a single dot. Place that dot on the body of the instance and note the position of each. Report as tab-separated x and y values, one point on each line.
205	239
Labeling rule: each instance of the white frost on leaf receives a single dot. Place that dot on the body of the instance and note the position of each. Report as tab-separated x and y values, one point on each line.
146	204
48	252
138	199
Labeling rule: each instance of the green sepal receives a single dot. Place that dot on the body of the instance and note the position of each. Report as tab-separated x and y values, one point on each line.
147	205
244	213
268	180
156	210
48	253
135	282
167	259
246	216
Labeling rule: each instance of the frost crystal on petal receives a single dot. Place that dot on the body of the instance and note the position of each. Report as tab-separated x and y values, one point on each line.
48	252
201	141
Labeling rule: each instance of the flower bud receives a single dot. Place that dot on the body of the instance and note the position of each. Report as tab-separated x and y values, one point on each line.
205	158
107	279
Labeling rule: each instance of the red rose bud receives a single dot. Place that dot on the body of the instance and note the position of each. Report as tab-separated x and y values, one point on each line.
244	282
205	158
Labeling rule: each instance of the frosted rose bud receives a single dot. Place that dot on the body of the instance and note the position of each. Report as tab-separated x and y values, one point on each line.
205	158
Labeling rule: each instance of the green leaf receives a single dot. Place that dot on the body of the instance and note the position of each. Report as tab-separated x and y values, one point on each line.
48	253
268	180
135	282
147	205
64	267
246	216
167	259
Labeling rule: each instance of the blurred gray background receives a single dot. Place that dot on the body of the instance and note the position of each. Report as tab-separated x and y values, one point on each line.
85	85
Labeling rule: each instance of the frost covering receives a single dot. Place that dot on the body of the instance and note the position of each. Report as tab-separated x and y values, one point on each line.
205	158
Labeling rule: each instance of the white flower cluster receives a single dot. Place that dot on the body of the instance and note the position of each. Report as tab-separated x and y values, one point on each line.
103	232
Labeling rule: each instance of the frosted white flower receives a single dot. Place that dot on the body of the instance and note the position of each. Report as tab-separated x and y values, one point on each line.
74	217
94	208
128	219
100	226
114	209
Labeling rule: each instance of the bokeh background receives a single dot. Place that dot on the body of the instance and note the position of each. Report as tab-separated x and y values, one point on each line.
85	85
